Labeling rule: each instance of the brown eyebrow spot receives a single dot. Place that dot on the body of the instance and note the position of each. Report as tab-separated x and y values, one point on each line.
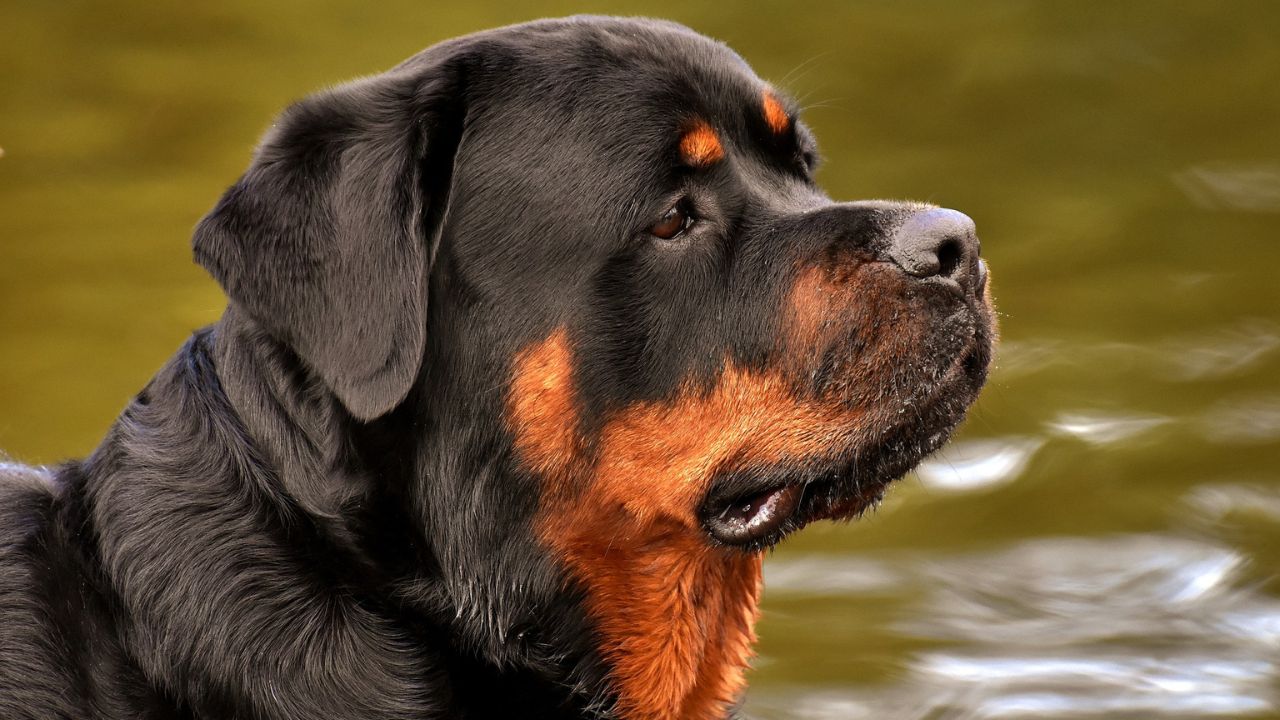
700	146
774	114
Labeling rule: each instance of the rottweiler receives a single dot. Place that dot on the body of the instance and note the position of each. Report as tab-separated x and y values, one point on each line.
534	344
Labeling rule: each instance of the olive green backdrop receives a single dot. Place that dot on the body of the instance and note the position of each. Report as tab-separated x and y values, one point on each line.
1104	538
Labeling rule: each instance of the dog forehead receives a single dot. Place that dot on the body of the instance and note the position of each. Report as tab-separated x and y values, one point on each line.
597	104
597	40
574	130
607	70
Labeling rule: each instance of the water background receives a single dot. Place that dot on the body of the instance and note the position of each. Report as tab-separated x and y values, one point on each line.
1102	541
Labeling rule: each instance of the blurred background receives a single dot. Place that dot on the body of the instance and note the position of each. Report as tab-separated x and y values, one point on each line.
1102	540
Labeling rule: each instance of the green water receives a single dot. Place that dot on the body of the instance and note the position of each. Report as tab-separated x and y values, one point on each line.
1104	538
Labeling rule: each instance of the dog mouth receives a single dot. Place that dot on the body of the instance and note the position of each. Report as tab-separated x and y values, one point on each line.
756	510
751	518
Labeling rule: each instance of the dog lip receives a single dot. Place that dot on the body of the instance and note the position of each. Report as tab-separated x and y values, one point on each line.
951	286
852	502
749	518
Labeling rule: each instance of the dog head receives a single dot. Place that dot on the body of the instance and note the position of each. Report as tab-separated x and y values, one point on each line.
580	274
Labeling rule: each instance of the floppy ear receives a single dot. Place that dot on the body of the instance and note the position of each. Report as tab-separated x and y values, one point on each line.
327	239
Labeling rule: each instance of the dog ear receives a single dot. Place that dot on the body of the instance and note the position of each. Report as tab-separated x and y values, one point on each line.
327	240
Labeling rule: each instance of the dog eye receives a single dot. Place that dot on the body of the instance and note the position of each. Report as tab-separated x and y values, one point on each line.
673	223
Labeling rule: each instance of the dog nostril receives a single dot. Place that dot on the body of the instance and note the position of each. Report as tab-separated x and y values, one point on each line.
936	242
949	256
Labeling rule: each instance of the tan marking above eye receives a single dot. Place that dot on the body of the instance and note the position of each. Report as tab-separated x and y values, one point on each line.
775	116
700	145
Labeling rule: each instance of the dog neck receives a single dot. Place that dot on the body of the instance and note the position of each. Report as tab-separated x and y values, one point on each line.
674	614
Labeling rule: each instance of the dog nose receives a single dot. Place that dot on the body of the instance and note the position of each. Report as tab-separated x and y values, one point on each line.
938	243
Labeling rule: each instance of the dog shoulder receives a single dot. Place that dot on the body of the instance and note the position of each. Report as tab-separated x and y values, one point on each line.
26	495
30	671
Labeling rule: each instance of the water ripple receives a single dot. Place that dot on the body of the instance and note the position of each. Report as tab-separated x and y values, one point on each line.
1230	350
1124	626
1243	420
1221	353
1105	429
977	687
814	575
1215	502
978	464
1222	186
1067	591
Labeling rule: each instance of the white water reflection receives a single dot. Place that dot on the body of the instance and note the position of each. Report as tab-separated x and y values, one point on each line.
1224	186
1230	350
1215	502
1140	626
1105	429
964	687
1015	358
1068	591
1243	420
978	464
1219	353
1083	685
815	575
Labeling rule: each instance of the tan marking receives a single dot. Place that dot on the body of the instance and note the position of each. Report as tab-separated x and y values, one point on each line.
775	116
542	404
700	145
675	614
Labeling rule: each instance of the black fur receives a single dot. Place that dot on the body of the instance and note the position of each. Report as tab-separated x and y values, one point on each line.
313	510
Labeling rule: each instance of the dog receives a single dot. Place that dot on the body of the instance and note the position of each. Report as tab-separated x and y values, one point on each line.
533	345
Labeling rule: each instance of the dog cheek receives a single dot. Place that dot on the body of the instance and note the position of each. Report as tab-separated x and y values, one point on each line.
542	408
656	461
652	461
850	331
